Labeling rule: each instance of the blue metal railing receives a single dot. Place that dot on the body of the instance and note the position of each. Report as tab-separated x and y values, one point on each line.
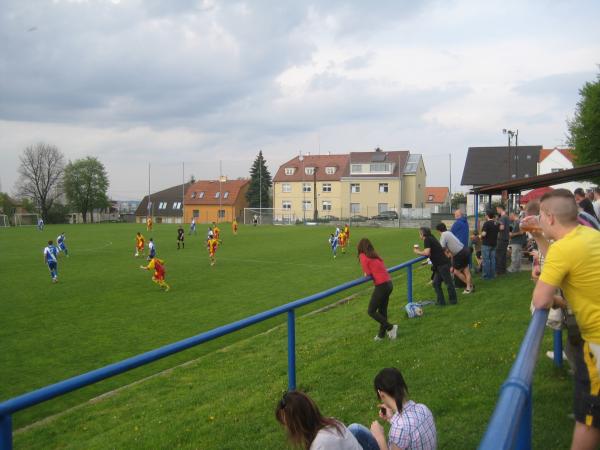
510	425
13	405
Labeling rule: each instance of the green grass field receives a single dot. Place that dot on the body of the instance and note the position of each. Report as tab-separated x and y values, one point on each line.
105	309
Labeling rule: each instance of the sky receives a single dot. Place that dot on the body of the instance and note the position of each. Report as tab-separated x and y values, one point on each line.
189	86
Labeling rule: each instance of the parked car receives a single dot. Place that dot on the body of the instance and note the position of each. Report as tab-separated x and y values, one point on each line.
328	218
359	218
386	215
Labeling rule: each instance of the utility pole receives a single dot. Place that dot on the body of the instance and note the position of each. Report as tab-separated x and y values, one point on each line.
301	158
260	186
450	186
182	193
315	209
149	199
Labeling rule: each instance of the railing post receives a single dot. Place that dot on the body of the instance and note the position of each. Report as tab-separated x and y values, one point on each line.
558	348
524	434
409	283
291	350
6	432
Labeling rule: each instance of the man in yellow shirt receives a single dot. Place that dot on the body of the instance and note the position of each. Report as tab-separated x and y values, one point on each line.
572	264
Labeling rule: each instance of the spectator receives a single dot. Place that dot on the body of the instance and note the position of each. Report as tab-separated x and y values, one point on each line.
596	202
584	203
476	250
489	238
440	265
460	256
307	428
373	265
503	237
411	424
533	209
518	240
460	228
578	278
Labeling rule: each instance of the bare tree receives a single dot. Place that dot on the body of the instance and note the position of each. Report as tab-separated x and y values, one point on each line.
40	175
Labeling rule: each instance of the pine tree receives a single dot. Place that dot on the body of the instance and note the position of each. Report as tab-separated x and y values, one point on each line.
260	184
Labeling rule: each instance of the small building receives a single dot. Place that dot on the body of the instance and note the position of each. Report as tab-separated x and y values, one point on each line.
556	160
437	198
216	201
164	206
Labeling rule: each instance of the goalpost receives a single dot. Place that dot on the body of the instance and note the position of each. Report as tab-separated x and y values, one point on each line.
269	216
4	222
26	219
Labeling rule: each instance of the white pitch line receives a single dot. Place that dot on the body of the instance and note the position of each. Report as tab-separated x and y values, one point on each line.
85	250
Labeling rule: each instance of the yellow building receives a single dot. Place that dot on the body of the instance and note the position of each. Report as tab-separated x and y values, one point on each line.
363	184
214	201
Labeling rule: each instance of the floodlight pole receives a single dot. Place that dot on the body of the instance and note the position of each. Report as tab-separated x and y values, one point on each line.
260	185
301	158
220	193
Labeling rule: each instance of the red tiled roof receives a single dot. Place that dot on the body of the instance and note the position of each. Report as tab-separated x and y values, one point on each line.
567	153
320	162
440	194
210	188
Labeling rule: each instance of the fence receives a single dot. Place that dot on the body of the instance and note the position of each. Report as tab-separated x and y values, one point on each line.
511	424
13	405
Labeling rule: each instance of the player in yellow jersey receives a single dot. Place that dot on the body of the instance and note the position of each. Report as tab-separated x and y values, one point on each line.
343	241
347	233
212	244
139	244
234	226
149	224
158	265
216	231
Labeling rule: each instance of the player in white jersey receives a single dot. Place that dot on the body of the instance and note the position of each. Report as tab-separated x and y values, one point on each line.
50	253
62	246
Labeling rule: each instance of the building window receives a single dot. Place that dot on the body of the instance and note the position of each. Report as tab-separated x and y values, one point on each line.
217	194
201	194
430	198
221	213
286	204
306	187
290	170
380	168
176	205
407	205
309	170
383	187
196	213
326	187
286	187
162	205
355	188
356	168
329	170
194	194
225	194
557	170
326	205
355	208
419	186
306	205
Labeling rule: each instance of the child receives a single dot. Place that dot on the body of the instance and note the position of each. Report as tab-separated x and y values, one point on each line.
180	237
50	254
158	265
62	246
139	244
212	245
476	249
333	243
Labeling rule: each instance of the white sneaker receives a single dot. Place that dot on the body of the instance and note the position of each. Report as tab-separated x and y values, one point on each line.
393	333
467	291
377	338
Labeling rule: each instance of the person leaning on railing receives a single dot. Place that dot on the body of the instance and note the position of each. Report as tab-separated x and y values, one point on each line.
572	263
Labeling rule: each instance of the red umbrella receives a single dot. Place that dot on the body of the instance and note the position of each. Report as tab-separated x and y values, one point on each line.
535	194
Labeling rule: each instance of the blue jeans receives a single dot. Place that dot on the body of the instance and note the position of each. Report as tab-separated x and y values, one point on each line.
488	254
364	436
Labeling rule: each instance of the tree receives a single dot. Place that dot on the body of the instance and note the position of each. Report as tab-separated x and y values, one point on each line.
85	184
458	198
584	129
40	175
260	183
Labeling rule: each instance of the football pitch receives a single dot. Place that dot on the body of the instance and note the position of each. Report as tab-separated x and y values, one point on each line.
105	308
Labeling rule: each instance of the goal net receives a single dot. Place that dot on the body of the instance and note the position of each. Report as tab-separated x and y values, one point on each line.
4	221
26	219
269	216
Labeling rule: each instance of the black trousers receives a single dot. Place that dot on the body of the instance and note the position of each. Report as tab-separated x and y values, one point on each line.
379	304
501	249
442	273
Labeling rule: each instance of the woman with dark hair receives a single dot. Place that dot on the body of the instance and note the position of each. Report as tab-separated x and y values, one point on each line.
411	424
373	265
306	428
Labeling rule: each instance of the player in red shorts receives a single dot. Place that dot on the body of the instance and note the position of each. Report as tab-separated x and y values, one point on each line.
158	265
212	244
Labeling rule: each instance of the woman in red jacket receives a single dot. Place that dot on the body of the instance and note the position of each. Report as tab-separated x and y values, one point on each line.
373	265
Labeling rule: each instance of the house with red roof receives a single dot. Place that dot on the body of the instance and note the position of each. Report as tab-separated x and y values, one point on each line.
221	200
435	197
555	160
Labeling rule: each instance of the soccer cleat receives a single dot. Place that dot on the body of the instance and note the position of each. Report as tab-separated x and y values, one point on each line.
393	333
377	338
467	291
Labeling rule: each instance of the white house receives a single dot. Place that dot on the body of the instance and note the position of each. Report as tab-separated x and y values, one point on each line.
555	160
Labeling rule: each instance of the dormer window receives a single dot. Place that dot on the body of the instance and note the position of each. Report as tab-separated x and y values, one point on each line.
309	170
290	170
201	194
329	170
217	194
193	194
430	198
